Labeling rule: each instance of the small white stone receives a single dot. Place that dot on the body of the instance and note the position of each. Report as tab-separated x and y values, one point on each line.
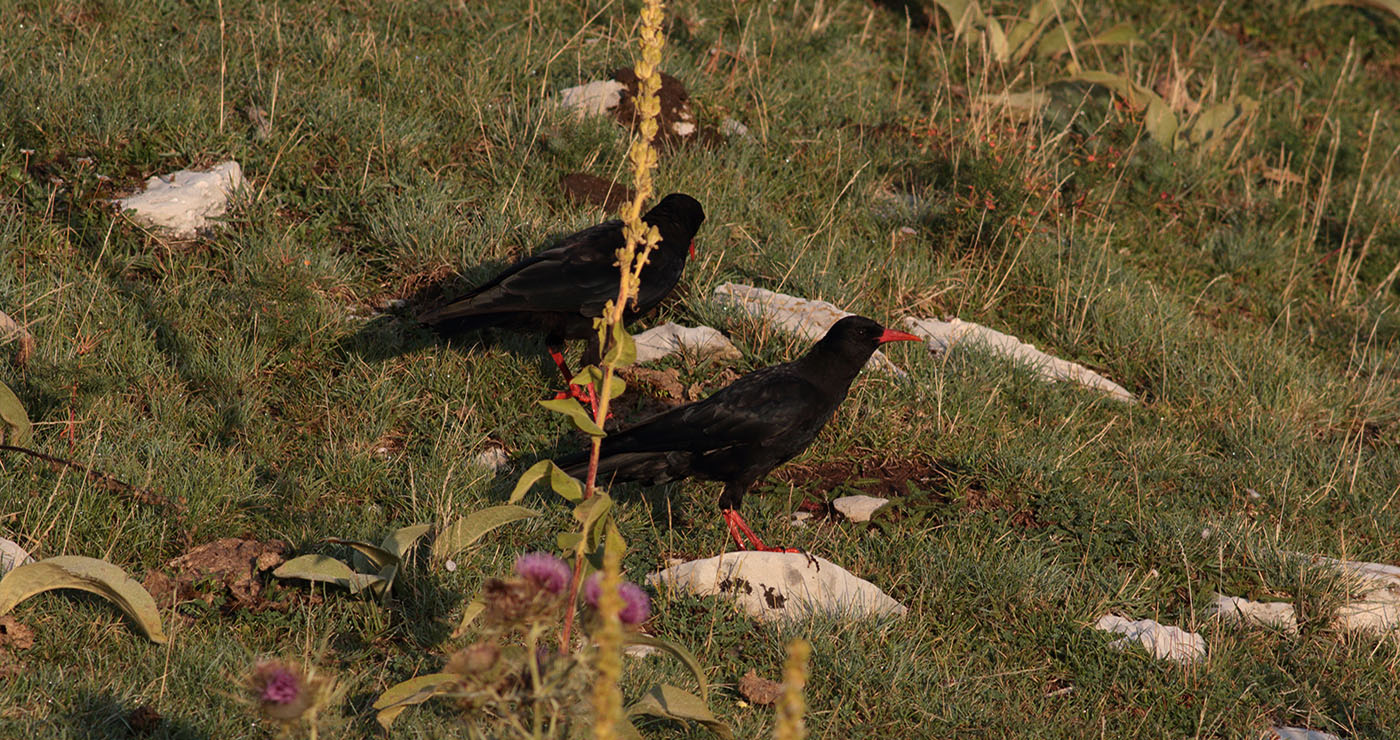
1252	494
733	128
1160	640
777	585
859	508
805	318
491	458
669	338
451	566
683	128
1299	733
801	518
942	336
592	99
1268	613
12	555
640	651
183	202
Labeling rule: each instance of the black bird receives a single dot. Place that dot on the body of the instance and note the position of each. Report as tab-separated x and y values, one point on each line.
559	291
744	430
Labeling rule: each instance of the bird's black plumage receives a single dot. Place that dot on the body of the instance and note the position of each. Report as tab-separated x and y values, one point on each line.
744	430
559	291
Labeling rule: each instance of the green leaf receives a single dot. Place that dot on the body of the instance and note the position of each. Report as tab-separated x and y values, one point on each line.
85	574
562	483
399	697
622	350
469	615
996	39
326	569
568	541
378	556
1389	6
15	428
628	731
591	514
1057	40
590	375
571	408
963	13
401	540
1119	35
665	700
1161	124
464	532
676	649
1213	121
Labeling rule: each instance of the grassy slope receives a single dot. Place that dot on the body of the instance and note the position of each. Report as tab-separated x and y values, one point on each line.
241	373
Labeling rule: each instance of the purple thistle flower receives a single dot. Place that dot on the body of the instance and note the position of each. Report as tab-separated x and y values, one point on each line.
636	606
547	571
281	687
592	588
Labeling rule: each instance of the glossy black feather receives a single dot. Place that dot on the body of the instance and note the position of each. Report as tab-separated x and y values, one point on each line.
744	430
558	292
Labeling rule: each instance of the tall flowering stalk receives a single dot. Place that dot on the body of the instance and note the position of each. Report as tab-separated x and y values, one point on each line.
792	705
607	697
639	241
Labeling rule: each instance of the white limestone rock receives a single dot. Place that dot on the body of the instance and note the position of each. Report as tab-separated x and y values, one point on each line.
1160	640
1278	614
859	508
592	99
703	342
491	458
772	586
12	555
805	318
1299	733
942	336
732	128
1377	607
184	202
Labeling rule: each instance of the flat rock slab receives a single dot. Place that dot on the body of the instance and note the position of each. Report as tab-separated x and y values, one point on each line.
805	318
859	508
1160	640
183	202
1278	614
1377	607
772	586
1299	733
703	342
942	336
593	98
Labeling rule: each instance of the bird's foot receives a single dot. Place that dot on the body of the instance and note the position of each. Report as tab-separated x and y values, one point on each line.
739	529
585	395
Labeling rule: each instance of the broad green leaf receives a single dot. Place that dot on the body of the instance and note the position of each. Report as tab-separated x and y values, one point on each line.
591	512
326	569
665	700
401	540
15	429
1119	35
378	556
622	350
628	731
1161	124
399	697
676	649
568	541
996	39
464	532
385	585
561	482
571	408
963	13
1389	6
1213	121
1057	40
590	375
469	615
85	574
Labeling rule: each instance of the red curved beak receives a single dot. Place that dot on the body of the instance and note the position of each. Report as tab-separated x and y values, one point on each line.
692	249
892	335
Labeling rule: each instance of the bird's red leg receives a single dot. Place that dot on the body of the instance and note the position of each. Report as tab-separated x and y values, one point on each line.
584	394
737	526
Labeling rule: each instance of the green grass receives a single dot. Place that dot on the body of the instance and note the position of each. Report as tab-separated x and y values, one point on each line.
244	372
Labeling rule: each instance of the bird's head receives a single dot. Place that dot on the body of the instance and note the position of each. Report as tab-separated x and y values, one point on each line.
678	216
857	337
